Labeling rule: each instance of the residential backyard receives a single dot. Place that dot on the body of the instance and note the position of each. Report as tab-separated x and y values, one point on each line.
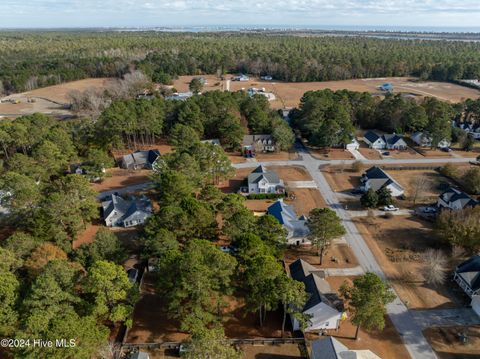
447	343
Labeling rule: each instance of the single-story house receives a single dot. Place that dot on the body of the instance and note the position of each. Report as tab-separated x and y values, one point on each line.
455	199
423	139
323	306
140	160
120	212
467	275
331	348
257	143
261	180
354	145
297	230
376	178
387	141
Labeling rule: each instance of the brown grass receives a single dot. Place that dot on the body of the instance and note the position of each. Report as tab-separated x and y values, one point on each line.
119	178
345	258
447	345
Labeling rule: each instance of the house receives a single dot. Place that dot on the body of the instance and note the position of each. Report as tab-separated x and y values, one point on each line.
374	140
476	304
467	276
262	180
387	141
331	348
120	212
179	96
375	178
354	145
140	355
297	230
140	160
213	141
388	87
423	139
395	142
323	306
455	199
241	77
254	91
257	143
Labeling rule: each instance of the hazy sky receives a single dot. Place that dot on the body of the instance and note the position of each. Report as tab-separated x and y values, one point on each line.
111	13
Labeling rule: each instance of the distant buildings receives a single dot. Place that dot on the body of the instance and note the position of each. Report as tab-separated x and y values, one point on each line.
323	306
375	178
241	78
262	180
140	160
297	230
254	91
454	199
257	143
120	212
423	139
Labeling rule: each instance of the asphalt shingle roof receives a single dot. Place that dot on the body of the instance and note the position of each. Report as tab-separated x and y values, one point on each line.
470	272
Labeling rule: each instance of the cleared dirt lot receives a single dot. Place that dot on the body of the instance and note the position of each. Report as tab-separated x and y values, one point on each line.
289	93
331	154
118	178
386	343
343	254
397	244
446	342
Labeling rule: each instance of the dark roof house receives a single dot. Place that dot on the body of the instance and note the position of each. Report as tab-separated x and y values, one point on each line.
375	178
455	199
140	160
467	275
120	212
296	226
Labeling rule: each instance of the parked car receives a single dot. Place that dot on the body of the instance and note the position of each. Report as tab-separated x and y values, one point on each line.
132	275
386	153
357	191
430	210
446	149
390	208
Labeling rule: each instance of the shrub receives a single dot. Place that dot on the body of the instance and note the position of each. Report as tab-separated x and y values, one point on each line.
266	195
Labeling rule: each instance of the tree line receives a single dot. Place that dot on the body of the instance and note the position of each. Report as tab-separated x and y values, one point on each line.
35	59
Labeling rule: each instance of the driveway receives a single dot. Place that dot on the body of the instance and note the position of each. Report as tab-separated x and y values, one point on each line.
357	154
445	317
301	184
376	212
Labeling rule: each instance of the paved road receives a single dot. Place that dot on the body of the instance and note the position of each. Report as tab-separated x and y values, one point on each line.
445	317
344	272
401	212
415	342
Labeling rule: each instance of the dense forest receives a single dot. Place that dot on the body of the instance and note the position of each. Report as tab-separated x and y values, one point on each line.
35	59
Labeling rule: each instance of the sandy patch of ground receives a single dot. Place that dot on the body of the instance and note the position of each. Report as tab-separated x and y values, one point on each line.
343	254
386	343
289	93
279	351
331	154
119	178
406	154
305	199
369	153
433	153
277	156
341	180
406	236
446	342
86	237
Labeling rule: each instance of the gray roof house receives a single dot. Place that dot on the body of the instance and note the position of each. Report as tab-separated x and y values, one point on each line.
331	348
120	212
467	275
257	143
297	230
375	178
262	180
423	139
323	306
387	141
140	160
455	199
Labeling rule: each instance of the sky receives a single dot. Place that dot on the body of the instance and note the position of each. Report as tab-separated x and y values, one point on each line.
174	13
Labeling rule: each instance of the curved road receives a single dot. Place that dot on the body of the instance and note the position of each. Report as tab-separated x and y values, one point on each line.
402	318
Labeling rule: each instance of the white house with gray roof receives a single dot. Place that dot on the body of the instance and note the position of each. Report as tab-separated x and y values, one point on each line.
323	306
375	178
257	143
423	139
386	141
331	348
454	199
120	212
140	160
262	180
297	230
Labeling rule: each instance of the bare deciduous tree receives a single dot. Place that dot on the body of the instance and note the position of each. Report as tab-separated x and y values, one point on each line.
420	185
435	269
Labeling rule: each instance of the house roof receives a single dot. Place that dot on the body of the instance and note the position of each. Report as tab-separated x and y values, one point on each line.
318	288
250	140
260	173
378	178
141	158
452	195
126	209
327	348
392	139
286	216
470	272
371	136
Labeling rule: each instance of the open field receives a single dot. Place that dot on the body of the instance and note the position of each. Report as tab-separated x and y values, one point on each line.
446	342
343	254
341	180
118	178
397	244
331	154
281	351
51	99
386	343
289	93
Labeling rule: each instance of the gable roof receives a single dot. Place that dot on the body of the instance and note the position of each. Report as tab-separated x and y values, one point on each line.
393	139
327	348
250	140
123	209
260	173
452	195
470	272
378	178
141	158
318	288
372	136
286	216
